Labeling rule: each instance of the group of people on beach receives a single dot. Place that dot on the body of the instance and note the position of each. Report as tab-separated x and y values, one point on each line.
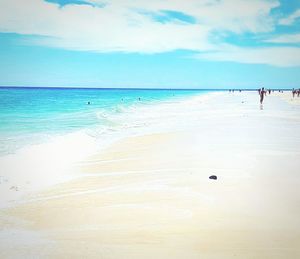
296	92
263	92
232	90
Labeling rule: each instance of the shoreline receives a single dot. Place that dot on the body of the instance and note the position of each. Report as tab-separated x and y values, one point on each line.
56	157
150	196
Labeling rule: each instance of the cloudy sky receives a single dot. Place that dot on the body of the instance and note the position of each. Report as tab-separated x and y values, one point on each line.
150	43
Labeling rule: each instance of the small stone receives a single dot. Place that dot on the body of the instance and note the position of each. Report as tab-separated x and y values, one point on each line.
213	177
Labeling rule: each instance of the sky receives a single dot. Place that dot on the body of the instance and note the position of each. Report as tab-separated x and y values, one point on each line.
150	44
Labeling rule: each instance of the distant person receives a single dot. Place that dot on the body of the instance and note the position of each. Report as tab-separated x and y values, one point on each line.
269	91
293	92
88	103
298	92
262	95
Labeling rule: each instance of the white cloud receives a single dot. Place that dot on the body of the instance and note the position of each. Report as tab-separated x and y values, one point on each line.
278	56
290	19
285	38
113	28
122	26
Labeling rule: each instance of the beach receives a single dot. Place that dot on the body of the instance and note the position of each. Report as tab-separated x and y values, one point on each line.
148	194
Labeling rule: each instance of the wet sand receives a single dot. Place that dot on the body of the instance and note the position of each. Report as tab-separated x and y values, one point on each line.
151	197
288	96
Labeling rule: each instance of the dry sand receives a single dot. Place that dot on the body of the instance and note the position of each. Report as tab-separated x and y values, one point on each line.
151	196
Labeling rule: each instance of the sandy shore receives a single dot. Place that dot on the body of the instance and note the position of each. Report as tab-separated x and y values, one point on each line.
151	197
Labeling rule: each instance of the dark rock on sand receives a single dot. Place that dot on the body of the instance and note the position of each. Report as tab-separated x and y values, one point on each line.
213	177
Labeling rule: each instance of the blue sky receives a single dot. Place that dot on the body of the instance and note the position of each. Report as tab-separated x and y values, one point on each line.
151	44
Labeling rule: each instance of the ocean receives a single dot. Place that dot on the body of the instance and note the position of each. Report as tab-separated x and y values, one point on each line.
33	116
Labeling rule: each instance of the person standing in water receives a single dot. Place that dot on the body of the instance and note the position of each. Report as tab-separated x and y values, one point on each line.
262	95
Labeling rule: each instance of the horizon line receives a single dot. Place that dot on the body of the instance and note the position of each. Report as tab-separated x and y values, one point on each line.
137	88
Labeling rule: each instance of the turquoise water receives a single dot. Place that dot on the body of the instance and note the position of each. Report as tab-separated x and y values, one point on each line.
33	115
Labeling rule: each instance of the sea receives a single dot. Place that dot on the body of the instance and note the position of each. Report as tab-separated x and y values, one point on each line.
34	116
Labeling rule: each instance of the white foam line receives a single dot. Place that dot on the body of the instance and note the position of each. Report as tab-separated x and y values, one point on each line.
140	171
158	170
149	186
110	189
107	189
98	190
104	161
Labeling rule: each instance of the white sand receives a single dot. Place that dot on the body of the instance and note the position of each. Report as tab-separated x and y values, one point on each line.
37	167
150	196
